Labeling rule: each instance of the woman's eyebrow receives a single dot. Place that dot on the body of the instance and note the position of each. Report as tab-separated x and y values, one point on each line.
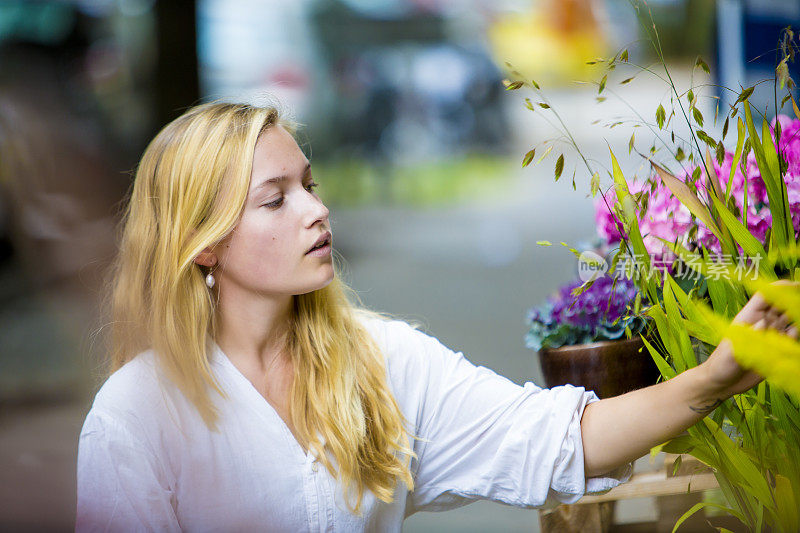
278	179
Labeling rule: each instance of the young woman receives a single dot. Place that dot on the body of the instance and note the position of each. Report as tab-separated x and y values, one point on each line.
249	393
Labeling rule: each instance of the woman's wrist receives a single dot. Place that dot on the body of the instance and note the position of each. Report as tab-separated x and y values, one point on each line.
709	391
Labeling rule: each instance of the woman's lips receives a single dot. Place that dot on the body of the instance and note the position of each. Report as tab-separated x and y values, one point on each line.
322	251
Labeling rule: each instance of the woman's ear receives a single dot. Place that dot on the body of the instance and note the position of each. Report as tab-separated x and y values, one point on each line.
206	258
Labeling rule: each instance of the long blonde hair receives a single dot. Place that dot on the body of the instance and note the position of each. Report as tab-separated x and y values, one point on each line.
189	192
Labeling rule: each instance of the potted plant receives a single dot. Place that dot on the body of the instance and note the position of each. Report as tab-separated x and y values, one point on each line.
701	239
587	335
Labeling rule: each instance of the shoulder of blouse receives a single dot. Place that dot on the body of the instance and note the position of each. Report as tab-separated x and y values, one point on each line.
136	389
408	351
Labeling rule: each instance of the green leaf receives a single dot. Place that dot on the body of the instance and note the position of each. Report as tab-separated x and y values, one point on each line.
574	252
776	191
725	127
544	243
594	184
661	116
690	97
744	95
626	80
677	465
602	84
706	138
529	104
535	84
766	159
702	505
683	357
696	325
736	155
702	64
720	155
750	245
630	142
559	166
528	158
543	105
743	469
679	154
678	445
514	85
624	55
786	504
634	233
698	116
782	72
660	362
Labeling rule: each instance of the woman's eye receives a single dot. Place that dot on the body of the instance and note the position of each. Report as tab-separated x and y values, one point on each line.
275	203
311	186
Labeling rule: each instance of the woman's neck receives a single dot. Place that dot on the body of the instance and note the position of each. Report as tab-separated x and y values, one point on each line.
253	330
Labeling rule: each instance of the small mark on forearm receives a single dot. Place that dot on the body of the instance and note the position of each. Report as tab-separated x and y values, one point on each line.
705	409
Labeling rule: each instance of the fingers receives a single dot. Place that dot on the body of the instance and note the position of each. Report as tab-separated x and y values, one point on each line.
781	321
761	315
757	302
775	320
753	310
786	282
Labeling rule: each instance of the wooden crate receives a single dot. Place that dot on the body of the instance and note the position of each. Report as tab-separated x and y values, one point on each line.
675	491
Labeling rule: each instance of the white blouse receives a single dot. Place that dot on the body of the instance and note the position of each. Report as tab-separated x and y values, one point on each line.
147	461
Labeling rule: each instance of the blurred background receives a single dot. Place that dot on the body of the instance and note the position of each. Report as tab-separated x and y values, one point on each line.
413	138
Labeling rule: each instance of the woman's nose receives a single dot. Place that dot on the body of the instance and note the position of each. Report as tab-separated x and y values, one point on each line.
317	211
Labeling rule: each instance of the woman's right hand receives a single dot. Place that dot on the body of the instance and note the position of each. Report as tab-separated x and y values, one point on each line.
758	312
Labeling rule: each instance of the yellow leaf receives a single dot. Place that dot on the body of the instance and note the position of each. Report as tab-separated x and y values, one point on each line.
688	198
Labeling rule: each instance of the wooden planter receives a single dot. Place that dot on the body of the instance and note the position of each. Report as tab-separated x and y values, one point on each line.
609	368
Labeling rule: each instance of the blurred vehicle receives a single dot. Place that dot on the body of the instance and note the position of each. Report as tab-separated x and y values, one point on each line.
403	86
418	101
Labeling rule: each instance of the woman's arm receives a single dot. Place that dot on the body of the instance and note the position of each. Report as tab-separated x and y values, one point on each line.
619	430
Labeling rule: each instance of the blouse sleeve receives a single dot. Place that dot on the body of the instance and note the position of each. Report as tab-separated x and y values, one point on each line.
121	484
485	437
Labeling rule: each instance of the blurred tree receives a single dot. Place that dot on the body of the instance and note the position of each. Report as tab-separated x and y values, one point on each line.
177	80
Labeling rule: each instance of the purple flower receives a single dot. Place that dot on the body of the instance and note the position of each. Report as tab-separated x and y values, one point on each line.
601	312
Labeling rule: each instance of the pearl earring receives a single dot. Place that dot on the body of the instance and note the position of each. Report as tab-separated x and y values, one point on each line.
210	280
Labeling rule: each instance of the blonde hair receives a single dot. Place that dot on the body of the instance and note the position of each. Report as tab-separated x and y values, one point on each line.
190	189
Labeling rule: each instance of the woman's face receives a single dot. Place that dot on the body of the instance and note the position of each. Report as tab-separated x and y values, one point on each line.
283	218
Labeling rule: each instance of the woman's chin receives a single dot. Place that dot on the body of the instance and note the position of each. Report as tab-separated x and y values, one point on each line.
323	282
